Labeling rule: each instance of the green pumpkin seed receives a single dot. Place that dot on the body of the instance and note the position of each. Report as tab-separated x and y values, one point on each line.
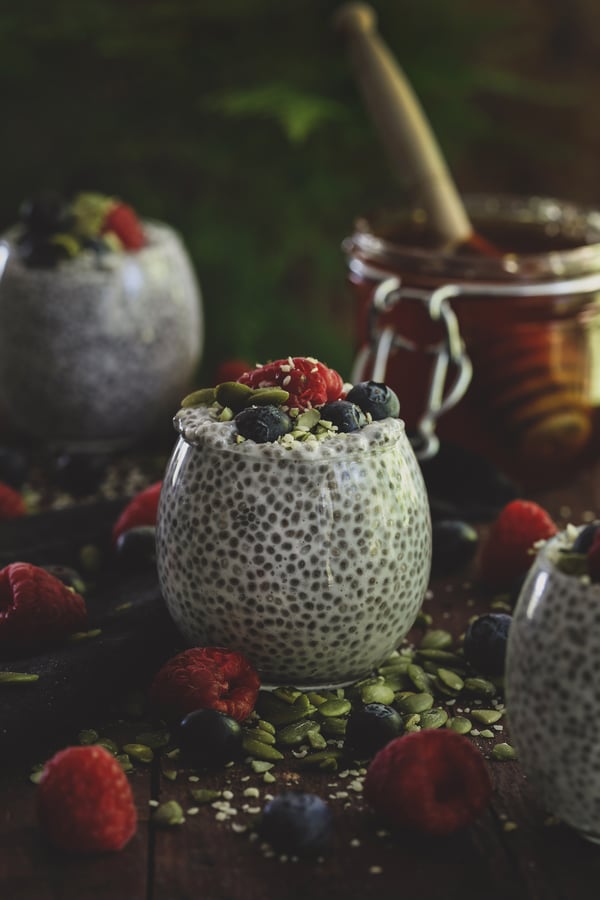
233	394
334	708
203	397
419	677
260	766
294	734
156	740
323	759
168	814
259	734
226	414
204	795
436	639
487	716
316	699
416	703
88	736
124	761
316	740
434	718
307	420
287	694
395	667
410	721
279	712
259	750
334	728
266	726
423	620
84	635
442	656
168	769
480	687
140	752
460	724
270	396
377	693
450	679
486	733
504	752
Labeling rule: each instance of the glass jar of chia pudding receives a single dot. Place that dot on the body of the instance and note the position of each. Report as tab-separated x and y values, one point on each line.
495	352
311	558
96	349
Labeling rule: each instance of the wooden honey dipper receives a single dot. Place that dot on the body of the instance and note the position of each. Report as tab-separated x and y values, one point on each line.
404	130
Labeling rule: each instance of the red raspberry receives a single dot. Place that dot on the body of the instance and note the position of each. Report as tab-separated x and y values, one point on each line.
231	370
206	678
308	382
435	781
12	504
84	801
507	553
122	221
141	510
36	607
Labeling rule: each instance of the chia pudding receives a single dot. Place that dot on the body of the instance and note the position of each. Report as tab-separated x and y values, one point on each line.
311	557
96	348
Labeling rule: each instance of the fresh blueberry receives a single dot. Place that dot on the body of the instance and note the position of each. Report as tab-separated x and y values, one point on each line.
485	643
209	738
584	540
297	823
263	424
377	399
344	415
372	727
136	548
46	213
453	545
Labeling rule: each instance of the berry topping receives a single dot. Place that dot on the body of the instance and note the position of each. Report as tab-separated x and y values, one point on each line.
35	607
372	727
297	823
453	545
308	382
509	549
374	398
141	510
263	424
206	678
12	504
209	738
55	228
46	214
85	803
344	415
434	781
485	643
122	221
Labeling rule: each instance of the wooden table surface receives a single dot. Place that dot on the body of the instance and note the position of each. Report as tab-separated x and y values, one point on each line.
516	850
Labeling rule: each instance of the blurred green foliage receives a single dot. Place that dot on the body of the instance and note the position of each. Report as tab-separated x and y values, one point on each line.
238	122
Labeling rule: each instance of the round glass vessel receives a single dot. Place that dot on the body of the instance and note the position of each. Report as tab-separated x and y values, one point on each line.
553	688
312	560
498	352
95	352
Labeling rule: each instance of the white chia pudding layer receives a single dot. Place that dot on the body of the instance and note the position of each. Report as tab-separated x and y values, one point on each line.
312	559
101	347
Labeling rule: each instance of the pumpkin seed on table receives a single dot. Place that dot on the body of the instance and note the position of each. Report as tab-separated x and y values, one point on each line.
334	708
258	750
416	703
450	679
434	718
487	716
435	639
294	734
139	752
504	752
419	677
460	724
480	687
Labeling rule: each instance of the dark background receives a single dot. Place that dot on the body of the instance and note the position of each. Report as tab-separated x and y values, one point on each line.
239	122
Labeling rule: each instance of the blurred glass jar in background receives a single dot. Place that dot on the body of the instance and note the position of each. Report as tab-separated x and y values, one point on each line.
498	353
97	350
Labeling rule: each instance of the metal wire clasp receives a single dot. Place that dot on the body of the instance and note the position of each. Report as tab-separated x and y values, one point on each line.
450	351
